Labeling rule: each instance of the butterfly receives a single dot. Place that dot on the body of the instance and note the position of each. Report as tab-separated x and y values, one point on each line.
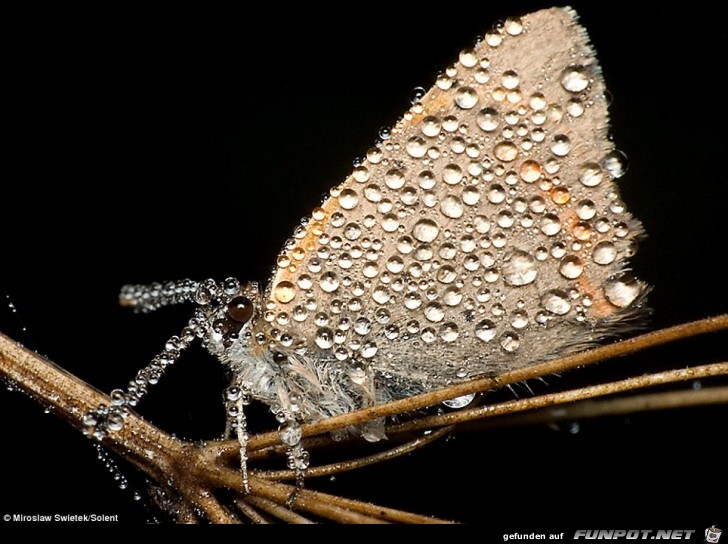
483	232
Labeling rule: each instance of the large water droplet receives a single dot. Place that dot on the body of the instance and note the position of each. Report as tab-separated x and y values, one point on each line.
452	207
591	174
510	79
329	282
284	291
449	332
571	267
556	302
488	119
425	230
561	145
485	330
519	268
468	58
513	26
510	342
466	97
348	199
434	312
506	151
530	171
575	78
452	174
615	163
550	224
430	126
622	290
605	253
394	178
324	338
416	147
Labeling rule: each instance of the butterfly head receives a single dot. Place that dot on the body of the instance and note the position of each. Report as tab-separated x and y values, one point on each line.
228	314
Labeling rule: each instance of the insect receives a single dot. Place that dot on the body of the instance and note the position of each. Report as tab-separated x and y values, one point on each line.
483	232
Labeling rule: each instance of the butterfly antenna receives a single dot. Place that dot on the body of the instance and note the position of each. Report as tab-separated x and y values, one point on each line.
147	298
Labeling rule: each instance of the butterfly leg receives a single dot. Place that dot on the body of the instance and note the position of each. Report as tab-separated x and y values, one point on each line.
104	419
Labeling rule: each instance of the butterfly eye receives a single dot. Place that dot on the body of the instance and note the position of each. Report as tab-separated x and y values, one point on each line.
240	309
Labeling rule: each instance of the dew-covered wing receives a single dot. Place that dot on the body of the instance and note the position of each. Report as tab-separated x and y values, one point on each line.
484	233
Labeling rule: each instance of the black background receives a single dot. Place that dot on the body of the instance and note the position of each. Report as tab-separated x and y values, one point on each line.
148	146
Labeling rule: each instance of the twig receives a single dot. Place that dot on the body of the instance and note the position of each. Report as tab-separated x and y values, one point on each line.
554	399
281	512
194	472
345	466
249	512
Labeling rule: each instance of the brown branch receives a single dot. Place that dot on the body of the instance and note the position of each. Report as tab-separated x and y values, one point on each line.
345	466
249	512
194	472
280	512
555	399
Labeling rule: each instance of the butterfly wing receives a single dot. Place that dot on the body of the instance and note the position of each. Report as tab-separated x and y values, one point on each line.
483	233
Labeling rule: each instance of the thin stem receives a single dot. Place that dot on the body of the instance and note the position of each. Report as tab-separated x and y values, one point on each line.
554	399
556	366
249	512
344	466
280	512
589	409
213	510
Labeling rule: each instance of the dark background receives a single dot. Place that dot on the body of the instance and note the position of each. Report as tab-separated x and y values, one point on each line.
148	146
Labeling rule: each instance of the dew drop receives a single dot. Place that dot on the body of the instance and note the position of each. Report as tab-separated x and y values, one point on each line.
591	174
394	179
466	97
434	312
452	207
390	223
575	78
519	319
416	147
604	253
452	296
430	126
561	145
510	342
284	291
506	151
425	230
468	58
485	330
571	267
471	196
513	26
372	193
622	290
324	338
452	174
329	282
460	402
530	171
520	268
550	224
556	302
510	79
449	332
615	163
488	119
586	210
348	199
